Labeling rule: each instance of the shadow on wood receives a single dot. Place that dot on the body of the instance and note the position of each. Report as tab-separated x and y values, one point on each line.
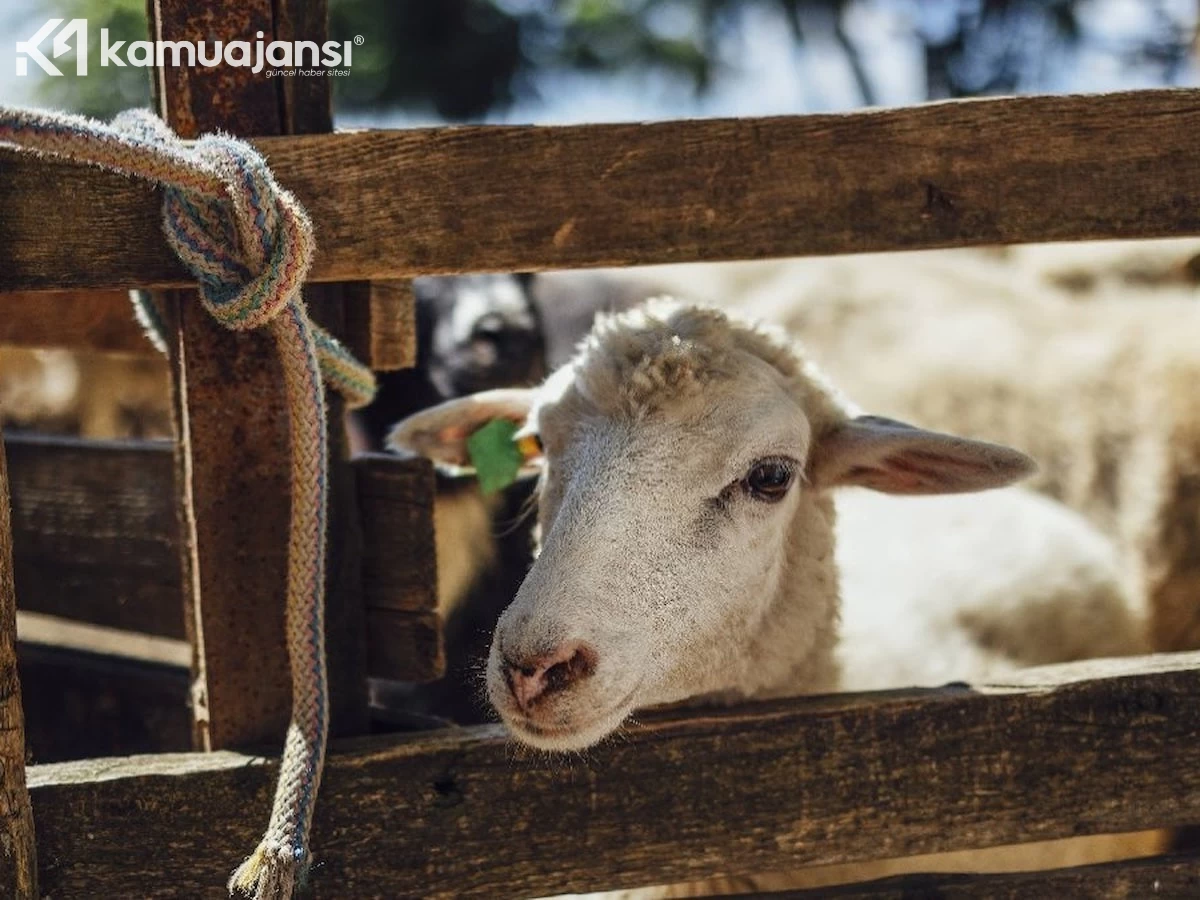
463	813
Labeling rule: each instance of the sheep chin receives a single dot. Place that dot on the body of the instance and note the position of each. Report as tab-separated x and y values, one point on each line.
576	736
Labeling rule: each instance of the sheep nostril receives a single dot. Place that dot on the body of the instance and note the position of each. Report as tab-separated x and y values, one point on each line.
530	679
576	667
558	676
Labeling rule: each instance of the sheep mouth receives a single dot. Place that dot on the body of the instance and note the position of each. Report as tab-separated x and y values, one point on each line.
527	725
580	733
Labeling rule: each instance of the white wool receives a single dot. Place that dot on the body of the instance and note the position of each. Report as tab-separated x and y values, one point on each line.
969	587
963	587
1083	355
666	404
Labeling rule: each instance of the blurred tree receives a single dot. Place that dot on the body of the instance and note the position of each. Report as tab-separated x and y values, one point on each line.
108	90
459	59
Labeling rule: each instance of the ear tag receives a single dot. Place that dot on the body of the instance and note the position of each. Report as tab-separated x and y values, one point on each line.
495	455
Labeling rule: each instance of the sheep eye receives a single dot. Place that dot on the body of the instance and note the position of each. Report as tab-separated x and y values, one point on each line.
769	480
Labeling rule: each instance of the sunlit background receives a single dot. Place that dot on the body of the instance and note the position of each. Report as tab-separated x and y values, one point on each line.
557	61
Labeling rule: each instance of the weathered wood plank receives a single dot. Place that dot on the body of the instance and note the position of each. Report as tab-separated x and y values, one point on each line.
381	325
233	469
399	565
95	532
94	320
733	791
70	634
1173	876
18	856
81	704
404	646
509	198
96	537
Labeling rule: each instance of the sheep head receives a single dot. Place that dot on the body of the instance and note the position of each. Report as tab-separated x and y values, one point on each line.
686	466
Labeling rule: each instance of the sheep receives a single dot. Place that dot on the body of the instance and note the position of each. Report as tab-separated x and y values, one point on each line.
1126	269
473	333
665	388
1099	391
687	537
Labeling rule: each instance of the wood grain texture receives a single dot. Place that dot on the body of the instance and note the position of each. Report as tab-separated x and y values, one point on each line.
508	198
233	478
18	856
198	99
773	786
1173	876
97	540
80	704
233	468
381	324
400	564
404	646
85	320
95	533
346	655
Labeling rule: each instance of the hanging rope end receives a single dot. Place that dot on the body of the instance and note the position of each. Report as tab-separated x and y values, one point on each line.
271	872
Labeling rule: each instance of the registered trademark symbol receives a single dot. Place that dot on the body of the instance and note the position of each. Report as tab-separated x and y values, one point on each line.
359	40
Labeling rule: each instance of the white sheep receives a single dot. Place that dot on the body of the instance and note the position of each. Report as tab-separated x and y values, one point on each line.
1100	392
687	523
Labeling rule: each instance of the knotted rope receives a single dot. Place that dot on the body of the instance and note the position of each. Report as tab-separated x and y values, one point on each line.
249	243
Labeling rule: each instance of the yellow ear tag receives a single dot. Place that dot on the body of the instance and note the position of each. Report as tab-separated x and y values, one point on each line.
530	447
495	455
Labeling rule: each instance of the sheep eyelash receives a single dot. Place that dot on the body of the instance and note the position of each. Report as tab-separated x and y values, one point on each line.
736	489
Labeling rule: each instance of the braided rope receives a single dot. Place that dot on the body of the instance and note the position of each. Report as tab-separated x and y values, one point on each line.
249	243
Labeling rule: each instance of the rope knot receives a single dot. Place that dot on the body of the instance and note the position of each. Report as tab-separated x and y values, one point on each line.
249	244
251	248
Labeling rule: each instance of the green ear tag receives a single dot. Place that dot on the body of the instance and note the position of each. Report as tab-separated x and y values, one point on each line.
495	455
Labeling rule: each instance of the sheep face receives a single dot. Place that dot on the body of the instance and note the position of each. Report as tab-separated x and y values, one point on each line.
664	539
686	526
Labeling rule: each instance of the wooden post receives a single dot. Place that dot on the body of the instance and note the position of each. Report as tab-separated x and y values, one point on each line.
18	861
232	464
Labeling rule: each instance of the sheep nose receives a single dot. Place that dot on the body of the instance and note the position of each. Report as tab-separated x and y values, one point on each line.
533	677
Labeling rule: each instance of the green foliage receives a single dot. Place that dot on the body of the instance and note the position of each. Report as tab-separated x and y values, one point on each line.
103	92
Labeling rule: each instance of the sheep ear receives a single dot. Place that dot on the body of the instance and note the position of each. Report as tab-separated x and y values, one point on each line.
440	433
897	458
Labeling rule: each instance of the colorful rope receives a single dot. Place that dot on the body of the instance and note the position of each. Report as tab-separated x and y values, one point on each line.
249	244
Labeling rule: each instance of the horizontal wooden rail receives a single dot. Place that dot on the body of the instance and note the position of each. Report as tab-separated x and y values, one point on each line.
80	704
96	540
95	533
1176	876
775	786
392	204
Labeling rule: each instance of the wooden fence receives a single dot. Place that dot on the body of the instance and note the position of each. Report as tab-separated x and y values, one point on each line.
167	541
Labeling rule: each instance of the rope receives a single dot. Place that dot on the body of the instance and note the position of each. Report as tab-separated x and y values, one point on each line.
249	243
